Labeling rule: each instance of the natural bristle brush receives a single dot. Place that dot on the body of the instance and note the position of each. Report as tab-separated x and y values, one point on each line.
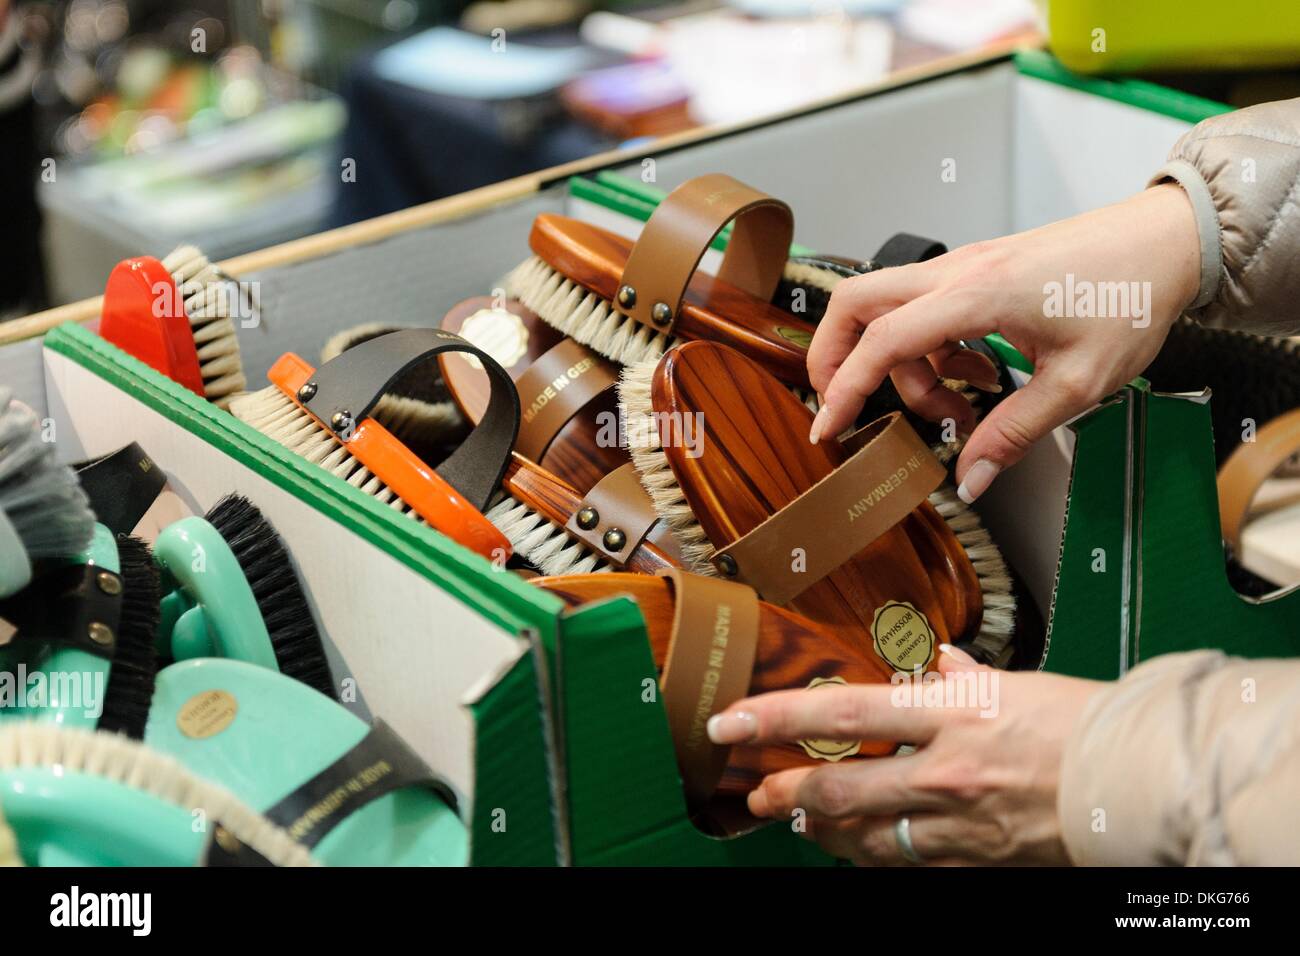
178	316
756	460
231	591
767	649
325	416
44	513
87	627
632	302
76	798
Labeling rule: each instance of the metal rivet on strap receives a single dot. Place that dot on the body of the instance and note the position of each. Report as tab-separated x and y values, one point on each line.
100	633
661	314
109	583
307	392
588	518
626	296
340	420
615	540
727	565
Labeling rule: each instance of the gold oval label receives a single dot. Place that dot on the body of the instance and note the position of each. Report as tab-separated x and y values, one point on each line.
831	750
498	332
207	714
902	636
800	337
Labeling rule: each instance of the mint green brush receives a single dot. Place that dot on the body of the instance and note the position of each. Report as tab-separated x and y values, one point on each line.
230	591
266	738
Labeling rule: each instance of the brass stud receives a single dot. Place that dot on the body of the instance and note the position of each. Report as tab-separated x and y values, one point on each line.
588	518
341	420
626	296
615	540
109	583
100	633
661	314
727	565
307	392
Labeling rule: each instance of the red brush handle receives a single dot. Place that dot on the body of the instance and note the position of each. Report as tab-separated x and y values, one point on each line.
144	315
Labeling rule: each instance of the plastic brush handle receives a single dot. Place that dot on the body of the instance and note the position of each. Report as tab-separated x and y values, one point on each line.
222	618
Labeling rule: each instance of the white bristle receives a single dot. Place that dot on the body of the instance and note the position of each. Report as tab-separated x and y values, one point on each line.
803	273
583	315
670	504
533	537
207	294
41	502
340	342
115	758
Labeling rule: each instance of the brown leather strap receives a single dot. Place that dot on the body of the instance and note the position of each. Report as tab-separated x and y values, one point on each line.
892	472
558	385
708	668
1252	464
680	231
616	508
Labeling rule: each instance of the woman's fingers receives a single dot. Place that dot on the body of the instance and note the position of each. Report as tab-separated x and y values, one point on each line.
853	305
926	395
1019	420
911	331
840	791
854	712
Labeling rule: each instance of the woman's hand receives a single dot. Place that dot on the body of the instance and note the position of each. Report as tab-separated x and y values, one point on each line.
982	787
906	322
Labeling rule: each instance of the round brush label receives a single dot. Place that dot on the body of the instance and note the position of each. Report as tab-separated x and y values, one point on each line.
902	636
831	750
799	337
499	333
207	714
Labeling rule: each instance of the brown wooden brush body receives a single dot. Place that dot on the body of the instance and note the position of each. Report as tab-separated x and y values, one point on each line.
792	653
756	458
713	309
552	498
576	455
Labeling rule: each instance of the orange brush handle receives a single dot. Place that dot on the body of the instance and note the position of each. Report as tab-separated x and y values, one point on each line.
432	498
144	316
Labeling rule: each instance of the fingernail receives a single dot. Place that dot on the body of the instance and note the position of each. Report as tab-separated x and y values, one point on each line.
732	728
977	480
957	654
819	422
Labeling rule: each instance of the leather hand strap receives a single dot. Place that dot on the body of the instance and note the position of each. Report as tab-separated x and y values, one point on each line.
891	473
709	666
379	764
903	248
616	511
342	392
557	386
680	231
122	486
1249	466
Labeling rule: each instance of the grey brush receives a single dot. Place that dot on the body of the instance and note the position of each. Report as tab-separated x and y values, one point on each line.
43	511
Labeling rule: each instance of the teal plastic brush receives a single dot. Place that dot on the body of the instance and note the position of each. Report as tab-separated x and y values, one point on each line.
288	752
84	641
230	590
75	798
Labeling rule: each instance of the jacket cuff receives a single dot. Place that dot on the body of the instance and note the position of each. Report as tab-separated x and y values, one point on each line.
1119	800
1207	224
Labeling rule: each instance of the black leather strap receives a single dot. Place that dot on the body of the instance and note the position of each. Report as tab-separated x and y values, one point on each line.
346	388
122	486
75	605
903	248
380	764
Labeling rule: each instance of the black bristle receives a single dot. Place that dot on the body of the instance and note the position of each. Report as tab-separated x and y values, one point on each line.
135	660
267	568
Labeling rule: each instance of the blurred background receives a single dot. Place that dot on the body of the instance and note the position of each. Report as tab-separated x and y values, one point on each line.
129	126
